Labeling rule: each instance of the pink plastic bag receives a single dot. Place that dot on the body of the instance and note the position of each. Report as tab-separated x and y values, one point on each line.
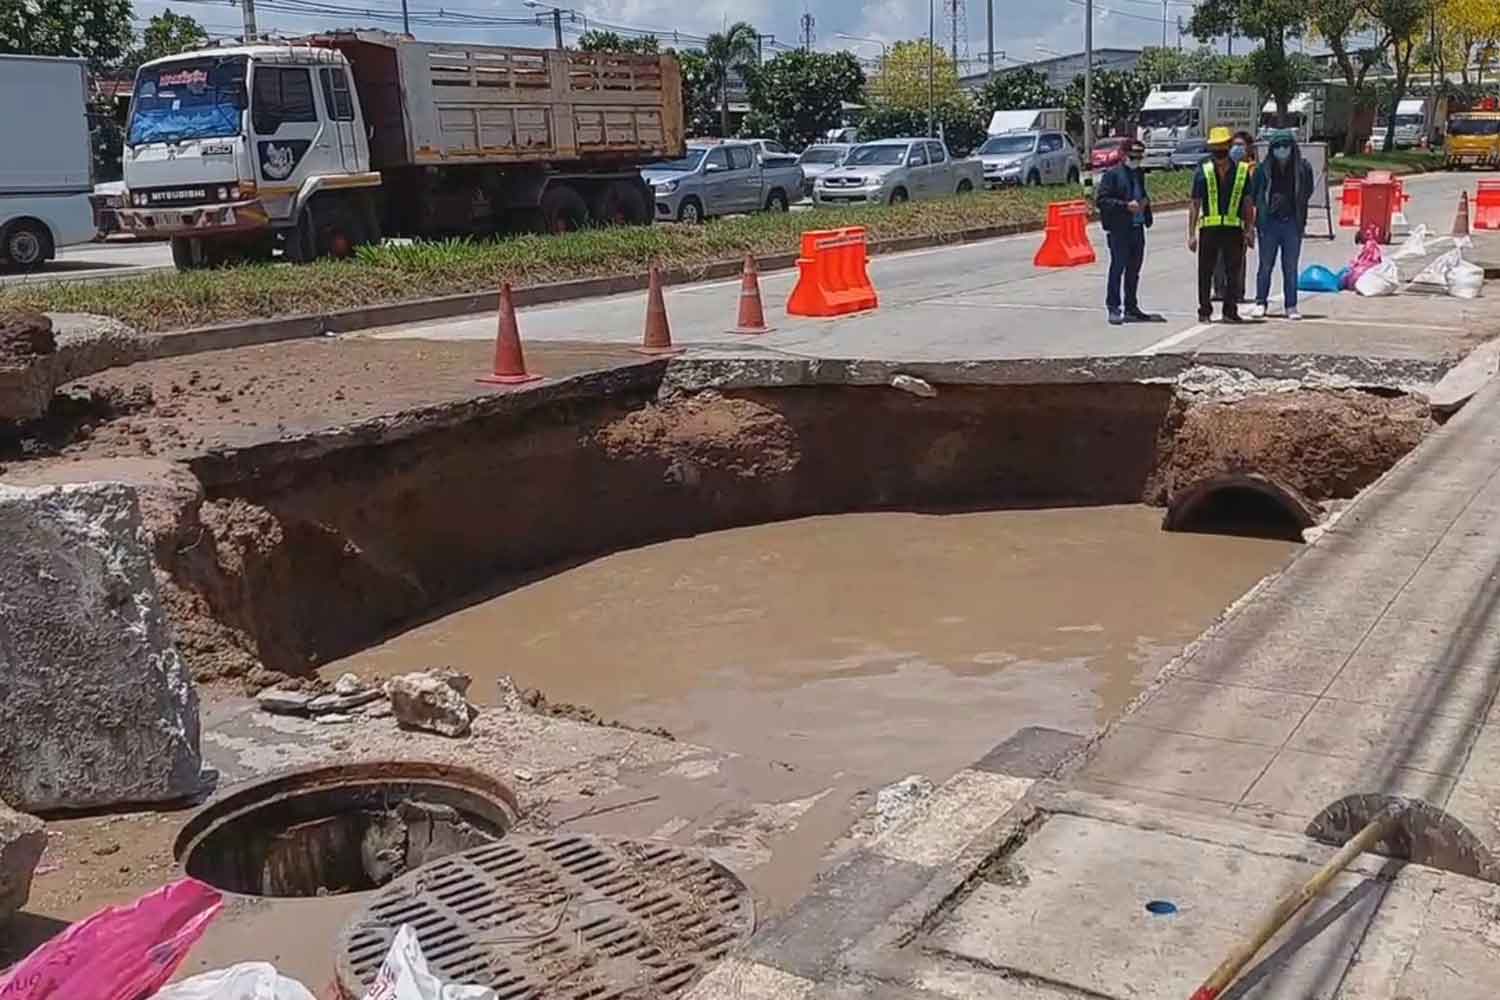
120	952
1369	255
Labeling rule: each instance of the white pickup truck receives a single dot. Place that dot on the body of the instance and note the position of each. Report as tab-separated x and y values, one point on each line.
896	170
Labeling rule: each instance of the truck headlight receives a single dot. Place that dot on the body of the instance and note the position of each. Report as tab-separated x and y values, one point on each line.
666	187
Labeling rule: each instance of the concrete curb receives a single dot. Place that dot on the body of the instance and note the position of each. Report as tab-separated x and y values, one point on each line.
266	331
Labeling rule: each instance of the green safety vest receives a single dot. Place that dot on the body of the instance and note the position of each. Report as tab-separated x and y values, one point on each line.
1211	216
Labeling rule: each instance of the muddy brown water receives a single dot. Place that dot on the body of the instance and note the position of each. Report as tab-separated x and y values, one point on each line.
875	644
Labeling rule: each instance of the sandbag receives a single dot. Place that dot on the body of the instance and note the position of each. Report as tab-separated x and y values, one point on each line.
1382	279
1369	256
245	981
1414	247
1466	280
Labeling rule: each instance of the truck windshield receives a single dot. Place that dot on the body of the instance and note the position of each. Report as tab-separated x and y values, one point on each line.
876	156
1474	126
1003	145
1166	117
687	163
821	154
1408	120
191	99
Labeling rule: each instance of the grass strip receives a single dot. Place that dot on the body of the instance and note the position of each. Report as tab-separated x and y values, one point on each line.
390	273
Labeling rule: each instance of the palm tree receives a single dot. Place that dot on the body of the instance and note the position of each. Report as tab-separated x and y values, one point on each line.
728	52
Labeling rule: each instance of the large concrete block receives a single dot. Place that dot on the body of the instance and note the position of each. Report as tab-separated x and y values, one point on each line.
96	707
22	841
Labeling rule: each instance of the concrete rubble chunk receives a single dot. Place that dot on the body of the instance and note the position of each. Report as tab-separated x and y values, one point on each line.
96	706
336	702
348	684
22	841
279	701
914	385
430	700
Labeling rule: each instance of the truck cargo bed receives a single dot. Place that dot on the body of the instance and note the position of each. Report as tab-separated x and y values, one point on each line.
432	103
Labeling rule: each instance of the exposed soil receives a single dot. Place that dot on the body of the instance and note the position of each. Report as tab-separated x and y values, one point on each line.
24	336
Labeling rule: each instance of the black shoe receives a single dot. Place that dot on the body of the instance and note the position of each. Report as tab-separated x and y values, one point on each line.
1233	317
1141	316
1205	317
1115	318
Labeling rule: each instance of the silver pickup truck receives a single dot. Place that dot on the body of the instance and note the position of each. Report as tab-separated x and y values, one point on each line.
722	179
897	170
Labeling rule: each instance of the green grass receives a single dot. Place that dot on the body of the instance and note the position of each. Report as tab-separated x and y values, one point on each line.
392	273
1399	161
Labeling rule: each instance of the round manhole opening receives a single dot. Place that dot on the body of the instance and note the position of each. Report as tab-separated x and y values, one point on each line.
568	918
330	830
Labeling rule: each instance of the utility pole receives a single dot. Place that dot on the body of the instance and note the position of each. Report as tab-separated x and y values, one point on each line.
931	47
405	18
1088	77
248	10
1164	13
809	23
557	26
989	22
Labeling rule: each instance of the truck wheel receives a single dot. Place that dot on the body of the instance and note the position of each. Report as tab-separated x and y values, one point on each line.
899	196
1034	179
27	246
777	202
1073	177
563	210
298	245
620	203
690	211
965	186
189	253
337	228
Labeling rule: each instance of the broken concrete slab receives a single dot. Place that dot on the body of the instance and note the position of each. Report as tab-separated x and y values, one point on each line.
97	706
22	841
41	352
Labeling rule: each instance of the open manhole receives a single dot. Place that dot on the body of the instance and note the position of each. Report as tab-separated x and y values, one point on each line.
329	830
562	918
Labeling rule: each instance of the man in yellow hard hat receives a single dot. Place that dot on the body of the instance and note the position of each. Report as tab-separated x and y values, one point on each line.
1221	224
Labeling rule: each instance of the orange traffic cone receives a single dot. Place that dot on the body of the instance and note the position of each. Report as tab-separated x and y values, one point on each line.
658	338
752	312
510	362
1461	220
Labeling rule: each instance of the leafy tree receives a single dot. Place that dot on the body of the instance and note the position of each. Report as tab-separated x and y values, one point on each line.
699	105
1473	30
957	118
797	96
1406	23
902	82
1271	22
729	51
1017	90
96	30
166	34
1118	96
609	41
1340	23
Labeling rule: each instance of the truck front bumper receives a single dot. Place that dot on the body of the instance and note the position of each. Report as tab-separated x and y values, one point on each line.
195	220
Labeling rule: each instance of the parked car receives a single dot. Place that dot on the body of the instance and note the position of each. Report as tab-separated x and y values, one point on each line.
771	151
1108	152
1189	153
818	160
1029	158
720	180
896	170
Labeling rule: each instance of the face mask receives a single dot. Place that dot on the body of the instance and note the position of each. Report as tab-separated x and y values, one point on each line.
1237	153
1221	154
1282	153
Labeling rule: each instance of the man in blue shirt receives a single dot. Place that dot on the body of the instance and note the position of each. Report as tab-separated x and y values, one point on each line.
1125	214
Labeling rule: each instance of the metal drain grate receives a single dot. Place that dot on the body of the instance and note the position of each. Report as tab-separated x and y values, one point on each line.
563	918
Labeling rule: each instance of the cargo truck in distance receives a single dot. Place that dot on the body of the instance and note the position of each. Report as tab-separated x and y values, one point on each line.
1319	114
318	145
46	167
1173	112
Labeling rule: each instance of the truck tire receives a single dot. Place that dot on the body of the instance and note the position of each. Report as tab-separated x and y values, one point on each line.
965	186
564	210
27	245
776	201
1074	179
189	253
620	203
690	211
298	246
900	197
338	227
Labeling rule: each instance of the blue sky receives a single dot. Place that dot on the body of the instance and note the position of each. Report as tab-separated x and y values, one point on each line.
1025	29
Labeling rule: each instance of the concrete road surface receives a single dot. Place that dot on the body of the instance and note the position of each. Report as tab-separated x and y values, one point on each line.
114	258
987	301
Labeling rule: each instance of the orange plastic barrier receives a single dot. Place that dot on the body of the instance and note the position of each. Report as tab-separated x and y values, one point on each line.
1349	211
833	277
1067	241
1487	205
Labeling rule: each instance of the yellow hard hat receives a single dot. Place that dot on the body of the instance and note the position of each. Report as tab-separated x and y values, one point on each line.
1220	136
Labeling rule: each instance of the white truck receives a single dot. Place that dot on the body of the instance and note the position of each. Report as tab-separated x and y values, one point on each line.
46	169
1173	112
1318	114
1029	120
318	145
1417	118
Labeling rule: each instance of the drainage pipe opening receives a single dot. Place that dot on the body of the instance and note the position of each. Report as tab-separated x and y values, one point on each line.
333	830
1249	505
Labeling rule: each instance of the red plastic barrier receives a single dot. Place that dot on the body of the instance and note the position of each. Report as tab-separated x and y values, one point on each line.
833	277
1349	211
1487	205
1066	243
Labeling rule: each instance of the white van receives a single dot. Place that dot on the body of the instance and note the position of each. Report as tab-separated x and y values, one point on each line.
46	172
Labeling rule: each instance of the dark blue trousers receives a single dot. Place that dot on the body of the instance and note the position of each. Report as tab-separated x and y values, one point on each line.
1127	252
